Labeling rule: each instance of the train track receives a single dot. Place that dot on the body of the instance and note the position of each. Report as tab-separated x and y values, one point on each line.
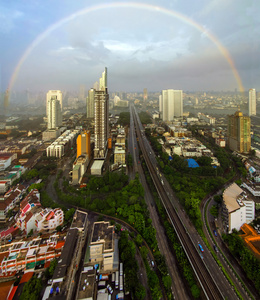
205	279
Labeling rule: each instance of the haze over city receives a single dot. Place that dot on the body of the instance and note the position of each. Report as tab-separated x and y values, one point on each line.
184	45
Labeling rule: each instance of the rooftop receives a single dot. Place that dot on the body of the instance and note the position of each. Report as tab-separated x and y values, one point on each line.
230	196
103	233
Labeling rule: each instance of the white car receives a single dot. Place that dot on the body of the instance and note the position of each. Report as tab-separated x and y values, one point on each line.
110	289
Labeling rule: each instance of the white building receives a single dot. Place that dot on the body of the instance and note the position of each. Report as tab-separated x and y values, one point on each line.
207	118
49	219
237	209
252	102
57	94
54	108
172	104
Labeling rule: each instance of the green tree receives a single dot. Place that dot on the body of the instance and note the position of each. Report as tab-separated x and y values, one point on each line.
32	289
69	214
195	291
140	292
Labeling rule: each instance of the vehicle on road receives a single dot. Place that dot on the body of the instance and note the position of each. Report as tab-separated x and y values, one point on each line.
110	289
200	247
215	232
215	248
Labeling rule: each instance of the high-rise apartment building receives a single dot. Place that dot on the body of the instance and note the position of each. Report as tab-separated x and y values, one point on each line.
58	96
90	103
252	102
101	102
83	143
54	115
172	104
239	138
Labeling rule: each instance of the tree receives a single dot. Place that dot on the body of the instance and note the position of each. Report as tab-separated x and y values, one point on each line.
139	292
214	211
195	291
32	289
69	214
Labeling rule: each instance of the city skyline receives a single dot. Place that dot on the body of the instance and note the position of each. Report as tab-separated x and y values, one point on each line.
155	45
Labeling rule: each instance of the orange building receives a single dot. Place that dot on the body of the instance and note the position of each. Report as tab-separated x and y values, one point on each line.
83	143
109	142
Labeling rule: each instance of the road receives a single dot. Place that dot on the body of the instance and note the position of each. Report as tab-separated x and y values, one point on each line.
222	246
213	282
179	289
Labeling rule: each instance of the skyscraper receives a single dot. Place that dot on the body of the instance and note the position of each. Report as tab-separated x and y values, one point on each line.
83	143
252	102
54	116
57	94
172	104
239	138
101	101
90	103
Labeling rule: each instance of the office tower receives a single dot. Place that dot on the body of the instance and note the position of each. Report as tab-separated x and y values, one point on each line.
252	102
57	94
239	138
172	104
145	95
83	143
54	116
90	103
101	102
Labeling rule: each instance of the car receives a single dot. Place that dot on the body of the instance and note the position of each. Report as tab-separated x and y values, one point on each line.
215	232
110	289
215	248
200	247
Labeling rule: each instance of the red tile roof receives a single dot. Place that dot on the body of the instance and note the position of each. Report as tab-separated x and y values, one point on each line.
26	277
11	295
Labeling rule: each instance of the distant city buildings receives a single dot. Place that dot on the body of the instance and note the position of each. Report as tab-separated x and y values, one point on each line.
171	104
53	109
252	102
239	138
145	95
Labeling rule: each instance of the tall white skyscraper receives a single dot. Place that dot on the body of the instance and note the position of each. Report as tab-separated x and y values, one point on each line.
57	94
252	102
172	104
101	102
54	115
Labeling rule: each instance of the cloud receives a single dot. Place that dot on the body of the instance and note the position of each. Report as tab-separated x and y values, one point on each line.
8	19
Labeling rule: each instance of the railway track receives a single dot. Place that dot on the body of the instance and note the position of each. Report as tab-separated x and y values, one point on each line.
203	275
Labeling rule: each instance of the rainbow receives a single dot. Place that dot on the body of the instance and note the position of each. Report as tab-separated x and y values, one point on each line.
162	10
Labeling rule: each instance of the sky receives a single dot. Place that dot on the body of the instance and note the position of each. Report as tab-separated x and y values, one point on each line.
190	45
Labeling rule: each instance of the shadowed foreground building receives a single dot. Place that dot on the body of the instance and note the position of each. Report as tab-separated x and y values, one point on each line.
239	138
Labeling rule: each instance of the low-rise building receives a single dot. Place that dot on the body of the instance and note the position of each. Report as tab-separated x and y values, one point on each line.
97	167
119	155
237	208
102	245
